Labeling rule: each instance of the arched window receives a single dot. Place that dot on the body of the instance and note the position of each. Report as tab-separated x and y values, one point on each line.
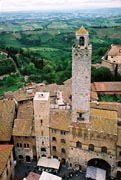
26	145
119	163
63	150
28	158
21	157
119	153
54	148
63	141
53	138
19	145
91	147
104	149
79	145
42	133
81	41
41	122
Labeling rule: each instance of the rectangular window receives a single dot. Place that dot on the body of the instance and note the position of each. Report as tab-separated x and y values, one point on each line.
54	131
53	138
63	141
63	132
80	117
54	148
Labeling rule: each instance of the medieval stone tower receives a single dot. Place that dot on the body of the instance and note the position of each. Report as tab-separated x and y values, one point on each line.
81	76
41	119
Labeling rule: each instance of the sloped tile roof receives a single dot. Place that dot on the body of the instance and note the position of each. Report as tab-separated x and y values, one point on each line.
82	31
60	119
24	121
111	106
7	109
5	151
22	127
107	86
25	111
104	120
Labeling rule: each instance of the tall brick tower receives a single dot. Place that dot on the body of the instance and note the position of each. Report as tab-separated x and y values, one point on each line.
41	119
81	76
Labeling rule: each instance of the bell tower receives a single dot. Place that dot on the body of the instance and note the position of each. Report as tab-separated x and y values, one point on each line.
81	76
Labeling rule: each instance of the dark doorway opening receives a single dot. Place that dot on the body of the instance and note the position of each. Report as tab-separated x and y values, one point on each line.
27	158
63	161
43	149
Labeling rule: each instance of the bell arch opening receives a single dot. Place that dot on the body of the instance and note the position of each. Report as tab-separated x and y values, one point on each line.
81	41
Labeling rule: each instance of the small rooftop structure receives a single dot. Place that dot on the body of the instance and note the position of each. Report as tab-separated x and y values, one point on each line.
113	55
43	96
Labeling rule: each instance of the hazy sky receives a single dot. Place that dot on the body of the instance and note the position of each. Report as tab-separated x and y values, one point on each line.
16	5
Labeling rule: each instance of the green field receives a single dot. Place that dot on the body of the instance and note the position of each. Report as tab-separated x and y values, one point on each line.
41	48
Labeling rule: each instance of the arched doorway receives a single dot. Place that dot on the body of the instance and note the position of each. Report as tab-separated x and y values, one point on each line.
27	158
21	158
100	163
63	161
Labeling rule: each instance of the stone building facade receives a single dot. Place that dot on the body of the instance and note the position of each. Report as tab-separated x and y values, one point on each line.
41	120
94	123
59	133
78	132
23	132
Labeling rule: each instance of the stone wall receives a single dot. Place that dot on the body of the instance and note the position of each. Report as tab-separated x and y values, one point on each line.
81	78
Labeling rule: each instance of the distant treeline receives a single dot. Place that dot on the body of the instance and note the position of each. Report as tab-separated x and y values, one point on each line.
102	27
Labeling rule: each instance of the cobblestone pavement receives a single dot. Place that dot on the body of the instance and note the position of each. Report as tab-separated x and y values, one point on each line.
22	170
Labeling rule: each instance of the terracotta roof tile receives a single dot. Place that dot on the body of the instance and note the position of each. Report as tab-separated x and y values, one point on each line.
25	110
107	86
5	151
23	123
93	95
82	30
60	119
104	120
22	127
7	109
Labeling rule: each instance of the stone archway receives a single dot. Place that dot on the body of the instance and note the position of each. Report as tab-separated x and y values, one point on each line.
100	163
